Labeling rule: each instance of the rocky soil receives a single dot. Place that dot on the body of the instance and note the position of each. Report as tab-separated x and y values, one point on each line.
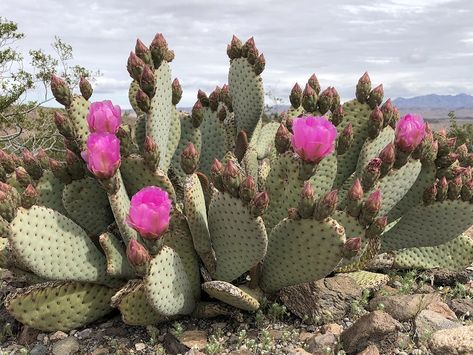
414	313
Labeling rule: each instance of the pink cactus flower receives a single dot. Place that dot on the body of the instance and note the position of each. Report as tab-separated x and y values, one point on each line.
104	117
410	130
102	154
150	212
313	138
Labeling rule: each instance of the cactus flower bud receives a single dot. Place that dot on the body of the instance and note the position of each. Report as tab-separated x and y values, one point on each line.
260	64
197	114
371	208
6	160
7	204
335	99
282	140
29	196
213	98
313	138
467	191
388	157
102	155
241	145
442	189
314	83
216	173
104	117
326	205
248	189
148	81
345	140
150	212
143	52
189	159
363	88
32	165
75	166
307	200
355	199
22	176
410	130
462	151
137	254
377	227
232	178
85	88
61	91
296	96
203	98
143	101
176	91
159	50
337	115
376	96
371	173
64	125
351	247
259	204
222	114
325	100
60	171
151	153
375	124
135	66
309	99
387	109
249	50
430	194
454	187
234	48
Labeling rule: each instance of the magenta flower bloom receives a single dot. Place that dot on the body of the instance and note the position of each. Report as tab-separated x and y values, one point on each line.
150	212
410	130
102	154
104	117
313	138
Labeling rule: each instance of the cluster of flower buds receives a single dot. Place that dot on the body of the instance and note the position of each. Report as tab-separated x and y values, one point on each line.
363	88
236	49
32	165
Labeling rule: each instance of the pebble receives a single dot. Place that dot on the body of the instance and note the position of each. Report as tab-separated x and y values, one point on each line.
39	349
84	334
59	335
140	346
66	346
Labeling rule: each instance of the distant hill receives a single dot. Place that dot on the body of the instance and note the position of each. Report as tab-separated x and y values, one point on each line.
433	101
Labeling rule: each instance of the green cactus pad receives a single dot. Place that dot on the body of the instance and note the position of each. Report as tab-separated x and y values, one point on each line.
265	142
4	253
25	276
134	307
87	204
158	123
301	251
456	254
213	140
117	263
173	139
238	297
284	187
263	172
372	147
250	163
230	130
136	175
369	280
395	185
50	192
78	115
189	133
246	90
196	212
167	285
358	115
59	305
238	239
179	238
54	247
430	225
414	196
139	131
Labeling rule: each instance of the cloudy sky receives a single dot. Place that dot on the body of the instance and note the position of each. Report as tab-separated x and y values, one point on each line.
413	47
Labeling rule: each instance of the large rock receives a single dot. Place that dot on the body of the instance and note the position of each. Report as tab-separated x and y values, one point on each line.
322	300
370	350
403	307
375	328
445	277
457	341
322	344
194	339
427	322
463	307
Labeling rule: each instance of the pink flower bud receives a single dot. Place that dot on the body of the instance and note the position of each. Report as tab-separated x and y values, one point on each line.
410	130
234	48
102	154
150	212
314	83
388	154
29	196
142	100
260	64
352	247
176	91
282	140
214	97
376	96
373	202
85	88
313	138
259	204
189	159
137	254
104	117
248	189
216	172
148	81
356	191
197	113
61	91
337	115
296	96
309	99
135	66
202	97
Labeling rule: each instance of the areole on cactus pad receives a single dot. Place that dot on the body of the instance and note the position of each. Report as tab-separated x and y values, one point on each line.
225	199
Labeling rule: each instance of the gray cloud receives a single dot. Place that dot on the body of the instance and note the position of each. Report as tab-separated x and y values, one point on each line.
412	46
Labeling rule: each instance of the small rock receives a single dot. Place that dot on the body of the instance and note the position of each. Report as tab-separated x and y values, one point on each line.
220	325
425	288
403	307
442	309
66	346
100	351
462	307
39	349
106	325
304	336
275	334
58	336
427	322
194	339
140	346
334	328
298	351
84	334
322	344
377	328
370	350
457	341
40	336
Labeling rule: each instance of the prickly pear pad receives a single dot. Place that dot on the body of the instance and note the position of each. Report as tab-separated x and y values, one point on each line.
372	147
173	139
78	114
117	262
167	286
213	140
54	247
238	239
232	295
301	251
59	305
50	191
